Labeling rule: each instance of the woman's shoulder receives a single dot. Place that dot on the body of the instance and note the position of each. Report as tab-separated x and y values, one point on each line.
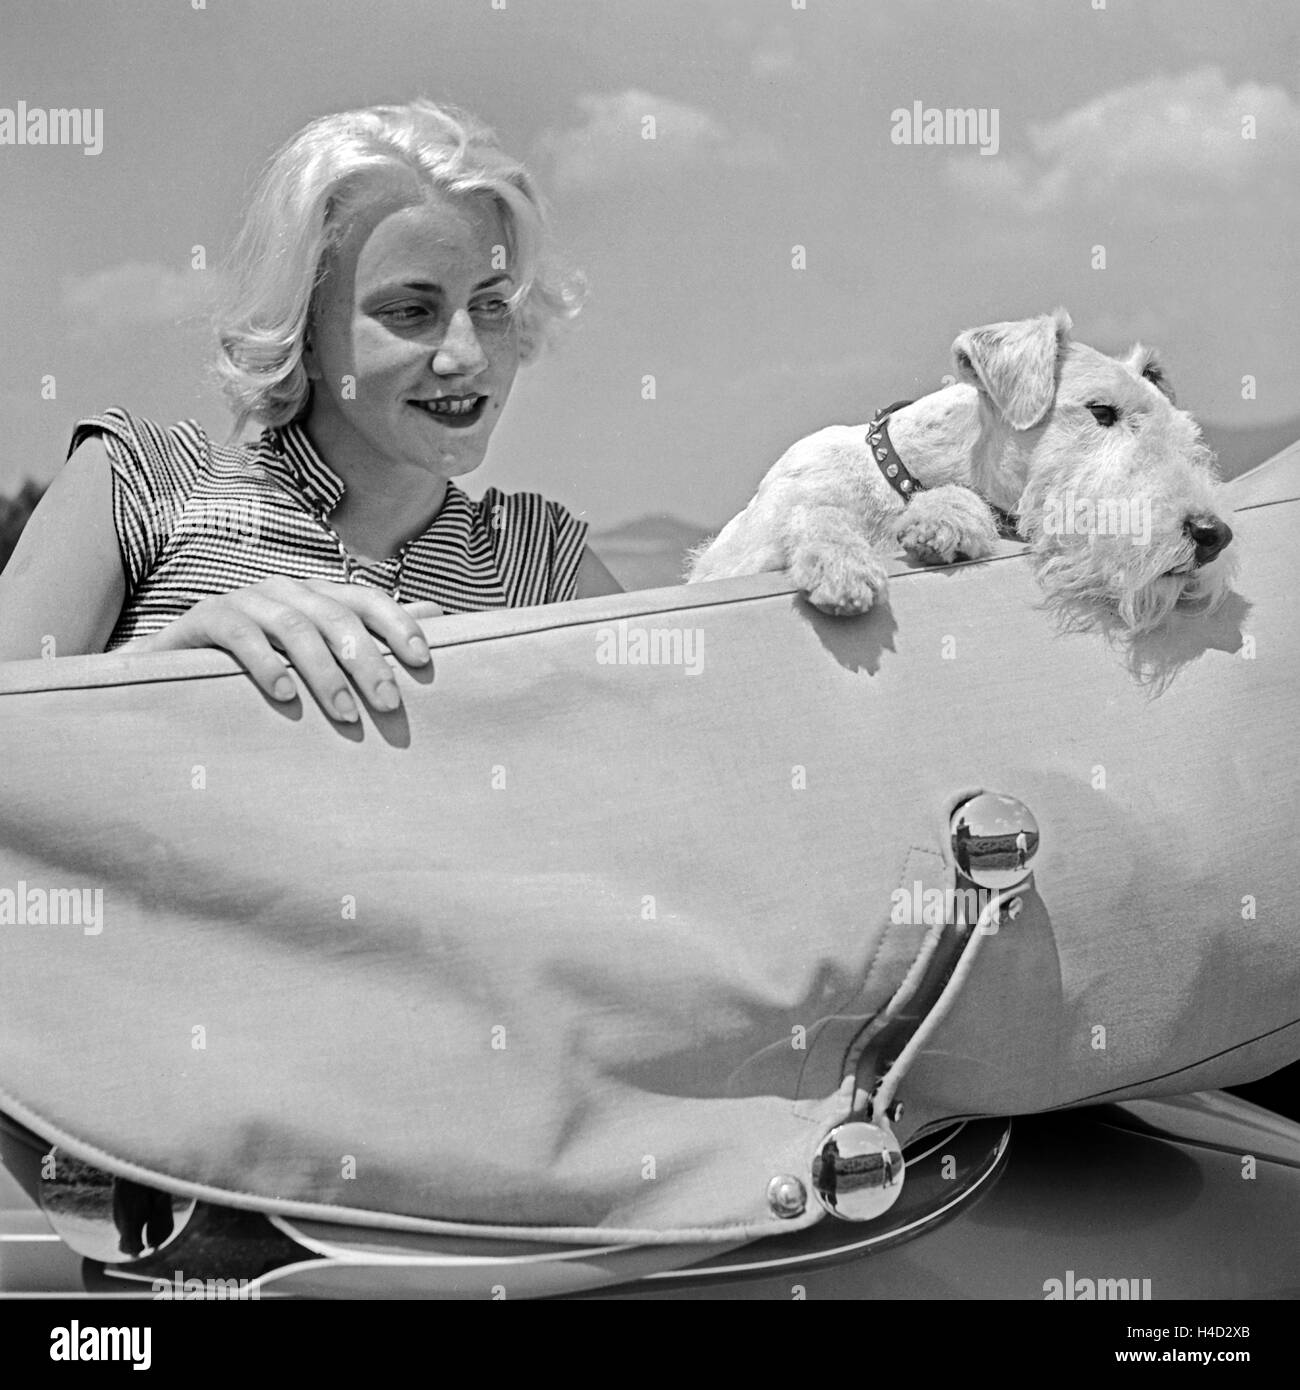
496	510
142	435
140	447
538	544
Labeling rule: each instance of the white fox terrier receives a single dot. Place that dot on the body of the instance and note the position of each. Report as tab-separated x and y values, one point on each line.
1087	454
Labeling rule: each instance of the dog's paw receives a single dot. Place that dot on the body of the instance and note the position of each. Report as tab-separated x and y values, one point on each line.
838	581
938	530
933	541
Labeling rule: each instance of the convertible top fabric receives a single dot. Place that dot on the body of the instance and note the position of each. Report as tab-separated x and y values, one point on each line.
580	946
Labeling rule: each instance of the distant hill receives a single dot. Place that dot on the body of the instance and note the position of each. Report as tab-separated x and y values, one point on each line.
649	552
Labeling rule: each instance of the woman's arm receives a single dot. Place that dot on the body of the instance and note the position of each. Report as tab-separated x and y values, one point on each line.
63	587
593	578
62	592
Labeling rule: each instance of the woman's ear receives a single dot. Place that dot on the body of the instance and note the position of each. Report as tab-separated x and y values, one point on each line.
1014	364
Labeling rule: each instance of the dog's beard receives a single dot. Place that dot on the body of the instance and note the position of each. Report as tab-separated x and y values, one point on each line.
1147	623
1107	581
1088	594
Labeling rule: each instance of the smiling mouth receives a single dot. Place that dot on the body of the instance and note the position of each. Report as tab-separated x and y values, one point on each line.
455	411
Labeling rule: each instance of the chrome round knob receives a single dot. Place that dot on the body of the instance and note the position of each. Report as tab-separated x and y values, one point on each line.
994	840
857	1173
106	1218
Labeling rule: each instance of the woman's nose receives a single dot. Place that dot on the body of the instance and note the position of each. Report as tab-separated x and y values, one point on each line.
460	352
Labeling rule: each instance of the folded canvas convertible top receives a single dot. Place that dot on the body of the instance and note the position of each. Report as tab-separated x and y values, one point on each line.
589	940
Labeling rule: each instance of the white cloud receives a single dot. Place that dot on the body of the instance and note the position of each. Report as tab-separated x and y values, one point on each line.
1165	145
613	144
135	294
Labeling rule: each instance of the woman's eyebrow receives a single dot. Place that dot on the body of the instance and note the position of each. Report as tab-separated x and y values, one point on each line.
430	287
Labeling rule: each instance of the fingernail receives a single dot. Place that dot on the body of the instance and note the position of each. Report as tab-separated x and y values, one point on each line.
284	689
345	707
419	647
386	696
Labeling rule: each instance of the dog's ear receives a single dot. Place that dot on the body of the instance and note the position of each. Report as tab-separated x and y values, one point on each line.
1014	364
1145	362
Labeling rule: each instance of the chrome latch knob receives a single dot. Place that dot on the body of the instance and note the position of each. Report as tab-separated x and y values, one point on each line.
994	841
105	1218
857	1173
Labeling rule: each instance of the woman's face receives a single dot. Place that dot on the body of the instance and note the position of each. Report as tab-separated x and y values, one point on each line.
413	347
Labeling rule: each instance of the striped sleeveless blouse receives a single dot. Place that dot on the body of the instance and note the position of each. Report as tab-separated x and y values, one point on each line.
194	518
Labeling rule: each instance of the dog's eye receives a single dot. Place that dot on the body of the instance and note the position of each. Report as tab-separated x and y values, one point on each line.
1105	415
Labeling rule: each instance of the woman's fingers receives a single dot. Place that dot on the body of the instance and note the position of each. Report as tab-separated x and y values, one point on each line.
389	620
343	616
423	609
251	624
324	629
331	650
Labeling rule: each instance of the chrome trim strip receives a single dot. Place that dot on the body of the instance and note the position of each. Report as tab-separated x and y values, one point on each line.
341	1254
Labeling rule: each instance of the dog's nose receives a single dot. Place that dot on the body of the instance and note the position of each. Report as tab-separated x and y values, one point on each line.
1210	535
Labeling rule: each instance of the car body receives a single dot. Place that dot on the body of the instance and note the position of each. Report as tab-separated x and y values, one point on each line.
661	1131
1194	1197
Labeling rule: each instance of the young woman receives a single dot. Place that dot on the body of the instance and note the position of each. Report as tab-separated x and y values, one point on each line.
388	281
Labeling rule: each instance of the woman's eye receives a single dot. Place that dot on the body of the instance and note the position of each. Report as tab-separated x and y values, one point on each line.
1105	415
494	308
404	313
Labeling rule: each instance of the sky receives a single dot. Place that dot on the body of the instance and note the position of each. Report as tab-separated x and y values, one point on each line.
777	258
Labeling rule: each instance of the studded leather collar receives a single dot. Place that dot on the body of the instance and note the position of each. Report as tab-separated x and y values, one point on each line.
906	483
894	469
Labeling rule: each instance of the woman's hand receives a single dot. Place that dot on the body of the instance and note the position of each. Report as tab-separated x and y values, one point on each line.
323	628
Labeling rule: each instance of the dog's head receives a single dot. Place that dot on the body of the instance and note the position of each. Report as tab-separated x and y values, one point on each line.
1116	490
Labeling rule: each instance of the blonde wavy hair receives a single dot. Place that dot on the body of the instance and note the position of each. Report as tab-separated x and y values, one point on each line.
300	210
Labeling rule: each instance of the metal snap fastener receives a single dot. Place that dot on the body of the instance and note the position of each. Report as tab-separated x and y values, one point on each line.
857	1173
994	840
786	1196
